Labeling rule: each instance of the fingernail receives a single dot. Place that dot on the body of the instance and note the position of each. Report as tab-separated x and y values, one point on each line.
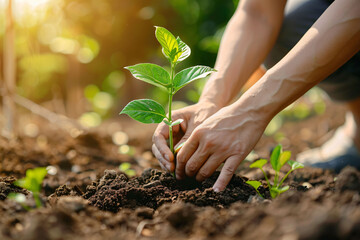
216	189
166	157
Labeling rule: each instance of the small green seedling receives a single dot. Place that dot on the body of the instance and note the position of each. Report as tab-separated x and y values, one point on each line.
150	111
278	159
126	168
32	182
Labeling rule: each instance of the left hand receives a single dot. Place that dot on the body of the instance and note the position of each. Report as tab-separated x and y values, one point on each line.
226	137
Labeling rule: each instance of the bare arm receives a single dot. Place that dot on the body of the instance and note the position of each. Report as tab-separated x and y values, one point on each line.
248	38
328	44
230	134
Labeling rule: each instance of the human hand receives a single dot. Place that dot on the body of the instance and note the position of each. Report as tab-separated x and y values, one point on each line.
192	115
226	137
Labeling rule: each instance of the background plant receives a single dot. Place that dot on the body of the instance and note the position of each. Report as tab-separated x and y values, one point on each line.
32	182
150	111
278	159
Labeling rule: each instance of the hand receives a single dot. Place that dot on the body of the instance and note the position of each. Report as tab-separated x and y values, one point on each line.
226	137
193	115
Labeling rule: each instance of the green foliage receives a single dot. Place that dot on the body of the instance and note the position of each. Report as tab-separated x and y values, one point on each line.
32	182
150	73
145	111
126	168
190	74
175	50
278	159
255	185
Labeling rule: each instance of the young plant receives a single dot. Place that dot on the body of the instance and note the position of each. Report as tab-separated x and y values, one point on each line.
278	159
126	168
32	182
149	111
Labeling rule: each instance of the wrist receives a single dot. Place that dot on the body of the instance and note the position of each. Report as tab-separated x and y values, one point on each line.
261	100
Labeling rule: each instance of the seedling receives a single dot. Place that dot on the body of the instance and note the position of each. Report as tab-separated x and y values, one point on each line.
278	159
150	111
126	168
32	182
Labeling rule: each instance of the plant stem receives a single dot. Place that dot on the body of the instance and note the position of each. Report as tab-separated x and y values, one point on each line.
170	104
285	177
170	127
37	199
267	180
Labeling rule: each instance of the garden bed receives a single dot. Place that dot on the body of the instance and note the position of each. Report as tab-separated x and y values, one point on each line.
88	197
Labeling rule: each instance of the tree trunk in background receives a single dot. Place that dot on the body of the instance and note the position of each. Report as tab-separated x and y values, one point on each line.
9	73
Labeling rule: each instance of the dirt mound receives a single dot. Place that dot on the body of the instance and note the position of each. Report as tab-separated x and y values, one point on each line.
153	188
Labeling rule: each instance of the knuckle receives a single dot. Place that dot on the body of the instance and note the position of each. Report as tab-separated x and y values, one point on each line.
228	171
199	132
180	159
191	168
203	175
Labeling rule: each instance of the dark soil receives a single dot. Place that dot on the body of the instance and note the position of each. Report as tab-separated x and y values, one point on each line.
89	198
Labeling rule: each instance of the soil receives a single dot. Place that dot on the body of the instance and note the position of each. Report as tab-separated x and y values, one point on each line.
88	197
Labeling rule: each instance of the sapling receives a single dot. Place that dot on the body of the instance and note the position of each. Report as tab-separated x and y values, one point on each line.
32	182
126	168
150	111
278	159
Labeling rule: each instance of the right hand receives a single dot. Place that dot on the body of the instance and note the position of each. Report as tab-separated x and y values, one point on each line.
193	116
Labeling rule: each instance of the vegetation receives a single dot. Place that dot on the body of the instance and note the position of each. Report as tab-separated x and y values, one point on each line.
278	159
150	111
126	168
32	182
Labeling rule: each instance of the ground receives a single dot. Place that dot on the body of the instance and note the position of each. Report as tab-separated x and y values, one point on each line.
88	197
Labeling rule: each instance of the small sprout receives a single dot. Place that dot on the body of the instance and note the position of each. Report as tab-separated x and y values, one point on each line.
256	185
278	159
149	111
32	182
126	168
19	198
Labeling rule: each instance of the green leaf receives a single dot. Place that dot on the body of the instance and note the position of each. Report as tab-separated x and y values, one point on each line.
274	158
188	75
295	165
33	180
185	49
177	122
150	73
254	184
145	111
124	166
284	157
168	42
276	191
258	164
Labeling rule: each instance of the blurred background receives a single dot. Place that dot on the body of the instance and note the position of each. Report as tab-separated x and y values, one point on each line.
70	55
67	58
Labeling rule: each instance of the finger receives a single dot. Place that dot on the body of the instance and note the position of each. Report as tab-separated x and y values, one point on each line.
159	139
196	161
184	155
162	167
226	173
169	166
187	133
210	166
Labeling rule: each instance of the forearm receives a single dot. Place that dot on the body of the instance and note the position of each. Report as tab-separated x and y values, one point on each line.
328	44
247	40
